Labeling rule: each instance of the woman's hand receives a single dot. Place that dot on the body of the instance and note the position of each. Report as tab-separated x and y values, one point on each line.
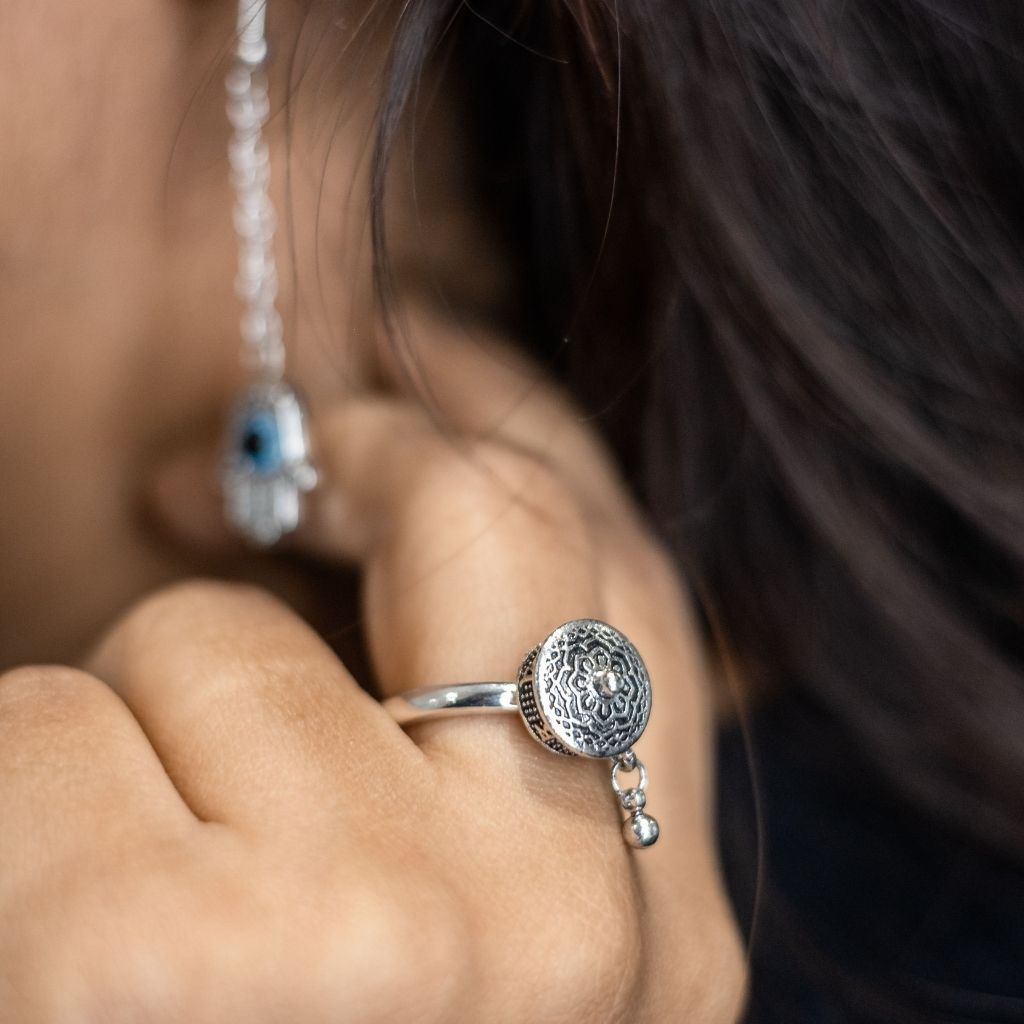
215	823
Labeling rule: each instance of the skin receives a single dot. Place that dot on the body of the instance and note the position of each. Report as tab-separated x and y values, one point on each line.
207	817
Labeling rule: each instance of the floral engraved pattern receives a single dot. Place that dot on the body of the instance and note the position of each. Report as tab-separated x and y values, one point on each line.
592	689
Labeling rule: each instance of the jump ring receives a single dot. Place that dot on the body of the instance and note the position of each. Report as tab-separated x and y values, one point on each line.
638	767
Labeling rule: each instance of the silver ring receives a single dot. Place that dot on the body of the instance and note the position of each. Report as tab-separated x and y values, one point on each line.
583	692
464	698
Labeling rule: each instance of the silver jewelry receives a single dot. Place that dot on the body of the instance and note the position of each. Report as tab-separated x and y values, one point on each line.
267	467
583	692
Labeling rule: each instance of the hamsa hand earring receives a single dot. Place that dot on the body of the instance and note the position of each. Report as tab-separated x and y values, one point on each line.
267	468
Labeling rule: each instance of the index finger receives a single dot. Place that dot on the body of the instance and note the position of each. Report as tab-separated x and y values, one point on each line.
480	383
471	550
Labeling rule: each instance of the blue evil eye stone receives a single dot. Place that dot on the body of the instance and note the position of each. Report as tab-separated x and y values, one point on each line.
260	443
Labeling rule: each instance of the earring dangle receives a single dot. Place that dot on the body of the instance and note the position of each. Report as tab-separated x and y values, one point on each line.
267	468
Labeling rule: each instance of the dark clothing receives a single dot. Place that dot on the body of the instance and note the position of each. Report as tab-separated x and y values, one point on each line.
869	912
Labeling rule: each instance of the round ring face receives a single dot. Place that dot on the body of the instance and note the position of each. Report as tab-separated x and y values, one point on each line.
592	688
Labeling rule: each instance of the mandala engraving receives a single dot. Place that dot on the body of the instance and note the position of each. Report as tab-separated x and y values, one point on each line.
586	690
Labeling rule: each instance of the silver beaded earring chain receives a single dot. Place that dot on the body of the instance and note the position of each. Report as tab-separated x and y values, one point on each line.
267	468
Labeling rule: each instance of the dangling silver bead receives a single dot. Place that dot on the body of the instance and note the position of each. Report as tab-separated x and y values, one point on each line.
640	830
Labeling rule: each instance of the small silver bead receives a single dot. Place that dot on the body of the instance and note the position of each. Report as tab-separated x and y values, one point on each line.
634	799
640	830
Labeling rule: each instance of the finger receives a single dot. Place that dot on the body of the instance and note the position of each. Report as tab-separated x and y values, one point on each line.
76	774
471	555
482	384
254	718
473	552
469	549
487	387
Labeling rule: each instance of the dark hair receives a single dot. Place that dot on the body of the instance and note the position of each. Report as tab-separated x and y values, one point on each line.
776	248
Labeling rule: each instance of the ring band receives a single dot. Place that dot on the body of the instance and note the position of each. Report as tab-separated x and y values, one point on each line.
583	692
462	698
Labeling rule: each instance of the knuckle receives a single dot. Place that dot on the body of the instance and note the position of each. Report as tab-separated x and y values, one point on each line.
609	971
424	960
82	948
192	598
44	696
181	604
405	971
600	969
29	680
